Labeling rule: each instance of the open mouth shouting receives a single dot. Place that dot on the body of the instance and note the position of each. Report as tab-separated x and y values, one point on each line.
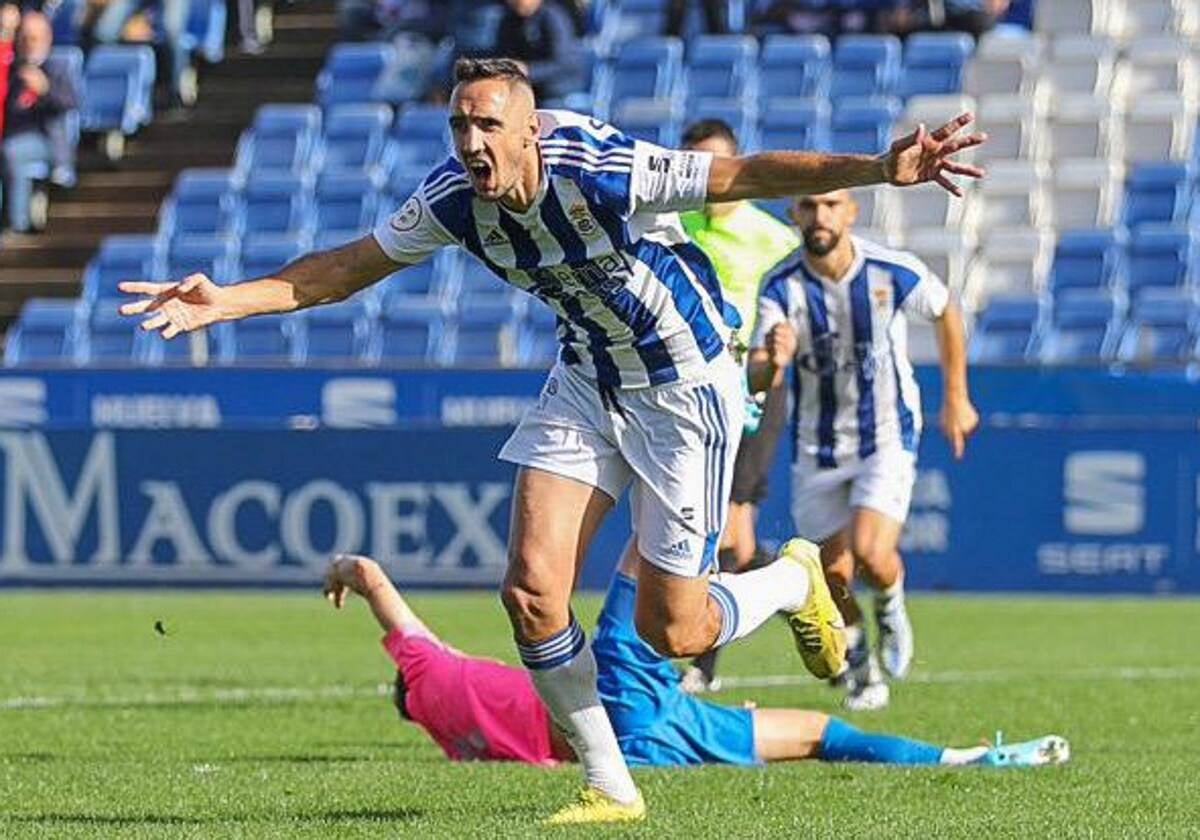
482	175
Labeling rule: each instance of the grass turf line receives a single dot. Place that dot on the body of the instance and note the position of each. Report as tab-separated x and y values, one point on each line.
319	762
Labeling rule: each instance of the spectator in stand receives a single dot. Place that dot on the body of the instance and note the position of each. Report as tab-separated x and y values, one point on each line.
805	17
110	29
10	21
35	131
542	36
714	16
973	16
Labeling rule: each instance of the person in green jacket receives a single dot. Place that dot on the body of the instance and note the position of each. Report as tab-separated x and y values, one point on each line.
743	242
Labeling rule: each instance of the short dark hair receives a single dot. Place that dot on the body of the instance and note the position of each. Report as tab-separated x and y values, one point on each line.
475	69
702	130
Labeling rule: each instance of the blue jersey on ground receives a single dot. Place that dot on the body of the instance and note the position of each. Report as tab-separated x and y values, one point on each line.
656	722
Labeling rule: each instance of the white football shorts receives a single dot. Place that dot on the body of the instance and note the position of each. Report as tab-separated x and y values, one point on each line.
822	499
674	443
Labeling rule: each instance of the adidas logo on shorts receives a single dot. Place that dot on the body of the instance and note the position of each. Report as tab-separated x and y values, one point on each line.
680	549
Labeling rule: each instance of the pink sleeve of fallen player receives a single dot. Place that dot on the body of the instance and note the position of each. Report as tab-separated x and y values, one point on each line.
475	709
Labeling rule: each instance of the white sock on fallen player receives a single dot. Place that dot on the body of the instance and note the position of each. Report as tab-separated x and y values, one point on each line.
564	672
965	755
747	599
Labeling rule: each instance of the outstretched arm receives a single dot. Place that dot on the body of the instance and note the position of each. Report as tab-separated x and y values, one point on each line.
320	277
363	576
917	158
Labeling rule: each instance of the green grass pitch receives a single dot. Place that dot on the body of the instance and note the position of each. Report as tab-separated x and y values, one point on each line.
258	715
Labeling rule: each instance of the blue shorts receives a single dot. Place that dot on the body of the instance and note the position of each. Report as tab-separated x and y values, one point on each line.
656	722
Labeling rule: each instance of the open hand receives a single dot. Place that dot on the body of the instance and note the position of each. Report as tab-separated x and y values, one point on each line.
175	308
924	156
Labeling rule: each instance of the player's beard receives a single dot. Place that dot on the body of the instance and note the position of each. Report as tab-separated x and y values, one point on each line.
820	247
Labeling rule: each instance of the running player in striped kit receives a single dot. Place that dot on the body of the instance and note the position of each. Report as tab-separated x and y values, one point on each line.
645	394
836	311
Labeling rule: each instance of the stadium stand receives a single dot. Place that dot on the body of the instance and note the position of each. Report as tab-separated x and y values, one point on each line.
1071	251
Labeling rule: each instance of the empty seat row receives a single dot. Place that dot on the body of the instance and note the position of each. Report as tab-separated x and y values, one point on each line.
1087	327
215	201
1074	64
487	333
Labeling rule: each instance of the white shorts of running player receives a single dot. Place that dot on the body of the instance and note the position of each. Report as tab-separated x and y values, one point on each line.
823	499
674	443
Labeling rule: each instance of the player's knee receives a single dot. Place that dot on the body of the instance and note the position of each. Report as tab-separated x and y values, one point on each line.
532	613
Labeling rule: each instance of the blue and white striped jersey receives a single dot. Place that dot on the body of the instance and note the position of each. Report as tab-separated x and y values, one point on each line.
638	304
853	389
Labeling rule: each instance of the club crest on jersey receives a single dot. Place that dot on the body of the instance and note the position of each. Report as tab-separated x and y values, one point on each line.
883	297
495	237
581	219
408	216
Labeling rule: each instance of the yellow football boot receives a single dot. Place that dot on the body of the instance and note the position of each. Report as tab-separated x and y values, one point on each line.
817	626
592	806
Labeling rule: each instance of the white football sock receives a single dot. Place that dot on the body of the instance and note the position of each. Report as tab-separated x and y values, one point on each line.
748	599
564	673
966	755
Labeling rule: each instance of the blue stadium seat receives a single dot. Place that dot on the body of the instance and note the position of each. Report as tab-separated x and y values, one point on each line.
281	138
423	281
538	344
261	340
1164	325
211	255
636	19
43	333
276	202
150	349
865	65
484	333
119	88
795	65
1157	192
1004	331
653	120
339	333
1160	256
1086	259
409	333
934	63
467	276
110	337
863	125
1083	327
121	257
788	123
202	201
722	66
346	201
648	68
266	253
739	114
356	137
422	139
352	72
